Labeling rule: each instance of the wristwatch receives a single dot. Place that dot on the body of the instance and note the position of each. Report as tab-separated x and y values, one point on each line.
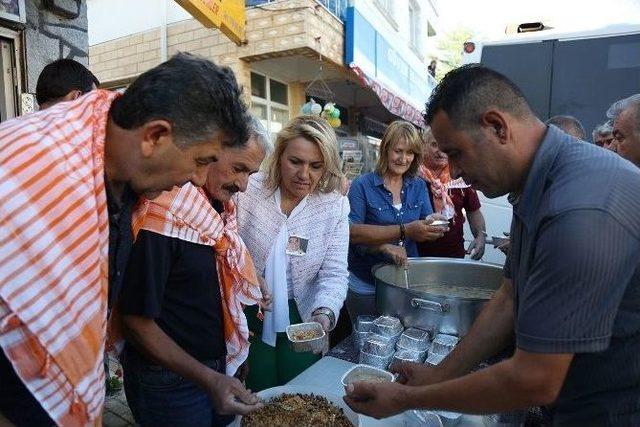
329	313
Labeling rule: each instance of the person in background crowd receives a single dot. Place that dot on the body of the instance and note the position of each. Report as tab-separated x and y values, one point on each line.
450	196
72	174
296	197
63	80
569	124
625	114
603	136
432	68
571	307
390	213
189	275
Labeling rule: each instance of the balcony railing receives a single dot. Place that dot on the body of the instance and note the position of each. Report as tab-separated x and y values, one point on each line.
336	7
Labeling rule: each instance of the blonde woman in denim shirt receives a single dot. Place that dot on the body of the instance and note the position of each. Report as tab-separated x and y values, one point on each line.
390	212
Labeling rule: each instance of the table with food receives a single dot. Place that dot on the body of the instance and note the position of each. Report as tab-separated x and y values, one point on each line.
421	317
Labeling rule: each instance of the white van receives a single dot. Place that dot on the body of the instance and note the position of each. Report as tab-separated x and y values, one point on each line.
579	74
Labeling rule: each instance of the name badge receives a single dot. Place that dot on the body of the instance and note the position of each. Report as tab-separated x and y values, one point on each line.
297	245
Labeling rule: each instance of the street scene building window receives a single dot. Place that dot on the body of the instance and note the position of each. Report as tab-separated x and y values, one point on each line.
269	102
414	25
388	10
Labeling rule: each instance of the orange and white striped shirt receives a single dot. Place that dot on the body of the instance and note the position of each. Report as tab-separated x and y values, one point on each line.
185	213
54	246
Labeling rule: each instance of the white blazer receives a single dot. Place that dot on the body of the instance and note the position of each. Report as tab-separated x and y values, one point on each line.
319	278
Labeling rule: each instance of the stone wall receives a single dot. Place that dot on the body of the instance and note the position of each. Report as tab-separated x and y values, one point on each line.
55	29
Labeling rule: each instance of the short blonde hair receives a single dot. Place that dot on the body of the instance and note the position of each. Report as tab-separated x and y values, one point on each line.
314	129
396	131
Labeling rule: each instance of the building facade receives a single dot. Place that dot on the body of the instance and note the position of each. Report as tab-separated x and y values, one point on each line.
32	34
294	50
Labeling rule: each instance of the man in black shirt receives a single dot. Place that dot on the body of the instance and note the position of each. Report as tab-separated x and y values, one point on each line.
172	307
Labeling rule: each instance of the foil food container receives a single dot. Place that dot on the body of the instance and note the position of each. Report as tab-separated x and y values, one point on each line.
434	358
449	419
364	323
422	355
387	326
361	372
407	356
378	344
377	361
313	344
414	339
443	344
420	418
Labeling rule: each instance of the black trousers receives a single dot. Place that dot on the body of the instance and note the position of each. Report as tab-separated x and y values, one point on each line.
16	402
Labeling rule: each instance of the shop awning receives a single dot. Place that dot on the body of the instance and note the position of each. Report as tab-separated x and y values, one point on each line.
392	102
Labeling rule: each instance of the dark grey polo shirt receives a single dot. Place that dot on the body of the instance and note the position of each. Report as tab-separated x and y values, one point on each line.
574	261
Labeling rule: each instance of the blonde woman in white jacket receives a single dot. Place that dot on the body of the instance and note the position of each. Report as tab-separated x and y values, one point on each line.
295	224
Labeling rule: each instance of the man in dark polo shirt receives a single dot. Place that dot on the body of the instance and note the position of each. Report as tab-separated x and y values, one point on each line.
570	300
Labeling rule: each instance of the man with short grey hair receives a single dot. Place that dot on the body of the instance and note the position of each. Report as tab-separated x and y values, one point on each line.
176	288
626	127
602	136
569	124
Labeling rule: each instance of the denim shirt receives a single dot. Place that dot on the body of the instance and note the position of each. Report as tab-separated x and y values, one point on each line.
372	203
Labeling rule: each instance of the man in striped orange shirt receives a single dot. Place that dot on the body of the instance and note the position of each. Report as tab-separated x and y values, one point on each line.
69	177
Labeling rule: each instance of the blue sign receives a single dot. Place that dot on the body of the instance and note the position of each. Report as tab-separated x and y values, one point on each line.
372	53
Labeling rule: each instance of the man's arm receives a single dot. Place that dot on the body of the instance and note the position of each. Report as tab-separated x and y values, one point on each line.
148	338
418	230
471	205
476	223
531	379
525	380
491	332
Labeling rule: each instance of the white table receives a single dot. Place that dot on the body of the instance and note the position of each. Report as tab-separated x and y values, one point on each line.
326	373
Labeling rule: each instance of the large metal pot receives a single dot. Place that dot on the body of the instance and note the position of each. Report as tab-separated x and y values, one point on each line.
437	314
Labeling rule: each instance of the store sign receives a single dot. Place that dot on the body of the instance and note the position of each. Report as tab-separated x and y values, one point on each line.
226	15
373	57
13	10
